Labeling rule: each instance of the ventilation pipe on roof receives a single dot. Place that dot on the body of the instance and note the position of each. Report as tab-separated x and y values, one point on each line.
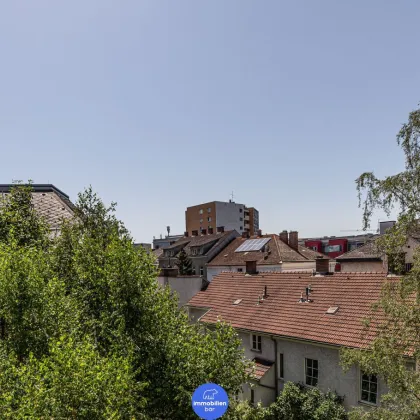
265	294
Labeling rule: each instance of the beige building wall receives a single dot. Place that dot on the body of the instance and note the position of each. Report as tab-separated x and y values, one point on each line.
362	266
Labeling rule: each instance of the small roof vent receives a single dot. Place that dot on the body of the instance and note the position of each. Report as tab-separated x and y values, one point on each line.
237	301
332	310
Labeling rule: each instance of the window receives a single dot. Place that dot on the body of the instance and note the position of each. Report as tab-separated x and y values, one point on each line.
201	271
209	219
281	366
201	220
256	342
408	267
314	248
240	210
311	372
240	227
240	219
201	211
209	210
369	388
333	248
239	270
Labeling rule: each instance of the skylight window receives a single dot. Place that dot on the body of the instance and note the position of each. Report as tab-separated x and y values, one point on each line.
253	245
332	310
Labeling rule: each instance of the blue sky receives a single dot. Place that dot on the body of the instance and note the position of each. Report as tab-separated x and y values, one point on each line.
164	104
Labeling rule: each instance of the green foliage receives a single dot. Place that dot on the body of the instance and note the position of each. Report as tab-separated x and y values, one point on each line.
398	334
244	410
299	403
184	264
89	333
73	381
19	221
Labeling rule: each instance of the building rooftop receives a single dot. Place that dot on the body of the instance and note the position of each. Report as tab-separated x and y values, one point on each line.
275	252
49	202
348	297
368	251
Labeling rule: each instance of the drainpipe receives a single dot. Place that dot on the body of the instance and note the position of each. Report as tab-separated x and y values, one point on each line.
275	367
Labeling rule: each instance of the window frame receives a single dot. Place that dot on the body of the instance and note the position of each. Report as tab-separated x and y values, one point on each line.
361	401
201	211
312	369
258	341
280	372
202	271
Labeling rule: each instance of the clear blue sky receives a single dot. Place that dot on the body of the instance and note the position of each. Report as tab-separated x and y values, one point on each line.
164	104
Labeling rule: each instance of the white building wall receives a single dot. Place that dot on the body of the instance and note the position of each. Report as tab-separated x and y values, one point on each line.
229	215
185	287
214	271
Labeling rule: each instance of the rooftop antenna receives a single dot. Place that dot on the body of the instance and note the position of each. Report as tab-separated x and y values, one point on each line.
168	228
231	197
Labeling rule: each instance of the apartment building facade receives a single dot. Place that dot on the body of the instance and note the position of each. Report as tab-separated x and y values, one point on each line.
292	325
229	215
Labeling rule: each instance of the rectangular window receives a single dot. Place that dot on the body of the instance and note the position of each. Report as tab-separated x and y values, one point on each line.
209	210
281	366
408	267
256	342
332	248
240	210
240	227
240	219
209	219
201	271
311	372
201	220
239	270
201	211
369	389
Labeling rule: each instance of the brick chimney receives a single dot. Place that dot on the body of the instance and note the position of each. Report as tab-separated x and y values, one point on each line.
322	265
259	232
251	267
284	237
293	239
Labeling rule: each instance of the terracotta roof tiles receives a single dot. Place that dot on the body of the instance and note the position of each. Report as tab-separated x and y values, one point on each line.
278	252
281	314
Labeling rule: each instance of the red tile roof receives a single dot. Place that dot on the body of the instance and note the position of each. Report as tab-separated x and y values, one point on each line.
280	313
279	252
368	251
261	368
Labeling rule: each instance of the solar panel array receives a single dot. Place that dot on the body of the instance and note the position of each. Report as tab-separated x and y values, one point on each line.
252	245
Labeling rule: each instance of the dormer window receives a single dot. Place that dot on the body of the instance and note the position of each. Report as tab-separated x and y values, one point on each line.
196	250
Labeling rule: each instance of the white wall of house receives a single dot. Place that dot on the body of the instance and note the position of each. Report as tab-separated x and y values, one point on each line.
330	374
184	286
214	271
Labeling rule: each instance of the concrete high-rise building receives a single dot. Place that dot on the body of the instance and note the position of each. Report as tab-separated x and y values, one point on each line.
211	217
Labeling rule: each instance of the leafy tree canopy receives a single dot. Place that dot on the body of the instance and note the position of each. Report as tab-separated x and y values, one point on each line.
86	330
396	348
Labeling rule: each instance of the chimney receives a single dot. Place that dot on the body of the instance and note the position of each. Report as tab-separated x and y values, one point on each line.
284	237
265	294
293	239
251	267
220	229
322	265
210	231
245	235
259	232
186	234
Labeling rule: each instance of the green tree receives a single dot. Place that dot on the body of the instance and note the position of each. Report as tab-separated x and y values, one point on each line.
184	264
396	347
299	403
89	299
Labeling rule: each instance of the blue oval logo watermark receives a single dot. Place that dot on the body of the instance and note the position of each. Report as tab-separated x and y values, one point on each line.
210	401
